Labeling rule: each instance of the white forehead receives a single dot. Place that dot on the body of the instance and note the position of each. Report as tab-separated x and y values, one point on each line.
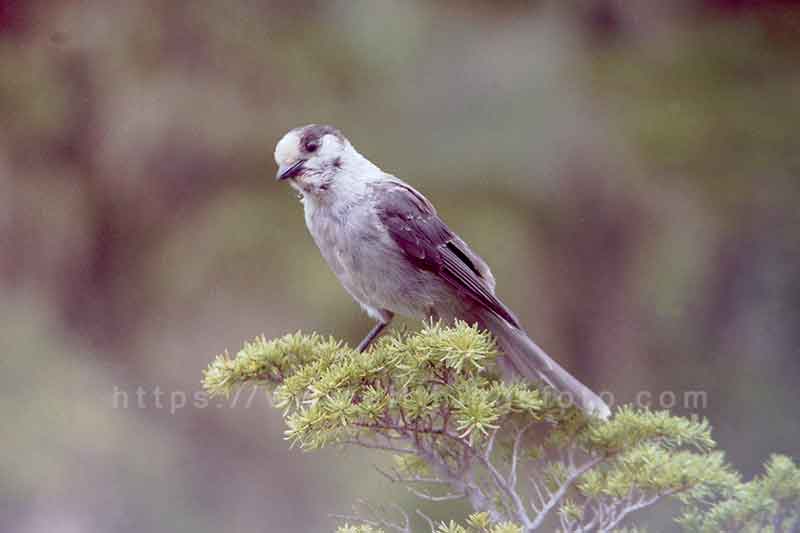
288	148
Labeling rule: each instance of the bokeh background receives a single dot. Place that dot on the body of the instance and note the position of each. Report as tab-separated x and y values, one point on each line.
631	171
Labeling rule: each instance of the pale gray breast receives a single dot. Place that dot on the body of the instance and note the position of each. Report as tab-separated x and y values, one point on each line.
347	239
366	260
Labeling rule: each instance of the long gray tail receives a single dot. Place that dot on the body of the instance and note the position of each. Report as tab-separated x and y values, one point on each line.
527	359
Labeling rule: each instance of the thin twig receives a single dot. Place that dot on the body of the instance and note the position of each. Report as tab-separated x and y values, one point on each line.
396	477
515	455
565	486
643	502
490	444
427	519
432	498
542	499
520	513
406	518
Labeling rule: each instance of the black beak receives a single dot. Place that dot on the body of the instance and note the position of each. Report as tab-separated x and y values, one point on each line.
291	171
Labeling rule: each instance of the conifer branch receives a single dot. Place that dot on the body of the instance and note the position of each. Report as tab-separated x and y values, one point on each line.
434	400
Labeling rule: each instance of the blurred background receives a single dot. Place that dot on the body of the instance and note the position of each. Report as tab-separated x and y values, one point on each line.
631	171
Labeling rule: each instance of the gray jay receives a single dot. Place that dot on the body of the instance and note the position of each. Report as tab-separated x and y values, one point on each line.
394	255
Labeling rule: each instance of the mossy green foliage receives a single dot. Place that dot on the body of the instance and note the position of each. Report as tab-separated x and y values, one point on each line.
768	503
435	399
329	391
476	523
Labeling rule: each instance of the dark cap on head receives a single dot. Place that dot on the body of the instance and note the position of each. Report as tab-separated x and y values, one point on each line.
312	133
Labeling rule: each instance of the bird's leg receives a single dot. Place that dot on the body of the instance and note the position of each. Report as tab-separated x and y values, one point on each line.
374	332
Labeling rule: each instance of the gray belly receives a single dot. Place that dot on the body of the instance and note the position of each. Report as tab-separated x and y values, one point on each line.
375	271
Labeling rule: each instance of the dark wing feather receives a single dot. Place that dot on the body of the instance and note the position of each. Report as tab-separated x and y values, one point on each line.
430	245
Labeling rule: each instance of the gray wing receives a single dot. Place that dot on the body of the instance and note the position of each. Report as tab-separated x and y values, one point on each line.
430	245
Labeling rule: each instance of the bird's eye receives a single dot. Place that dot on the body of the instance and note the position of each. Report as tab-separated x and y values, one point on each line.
312	146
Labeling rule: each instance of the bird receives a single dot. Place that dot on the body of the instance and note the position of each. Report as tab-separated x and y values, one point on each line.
394	255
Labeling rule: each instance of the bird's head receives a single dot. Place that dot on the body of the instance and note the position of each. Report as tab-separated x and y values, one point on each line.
312	157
